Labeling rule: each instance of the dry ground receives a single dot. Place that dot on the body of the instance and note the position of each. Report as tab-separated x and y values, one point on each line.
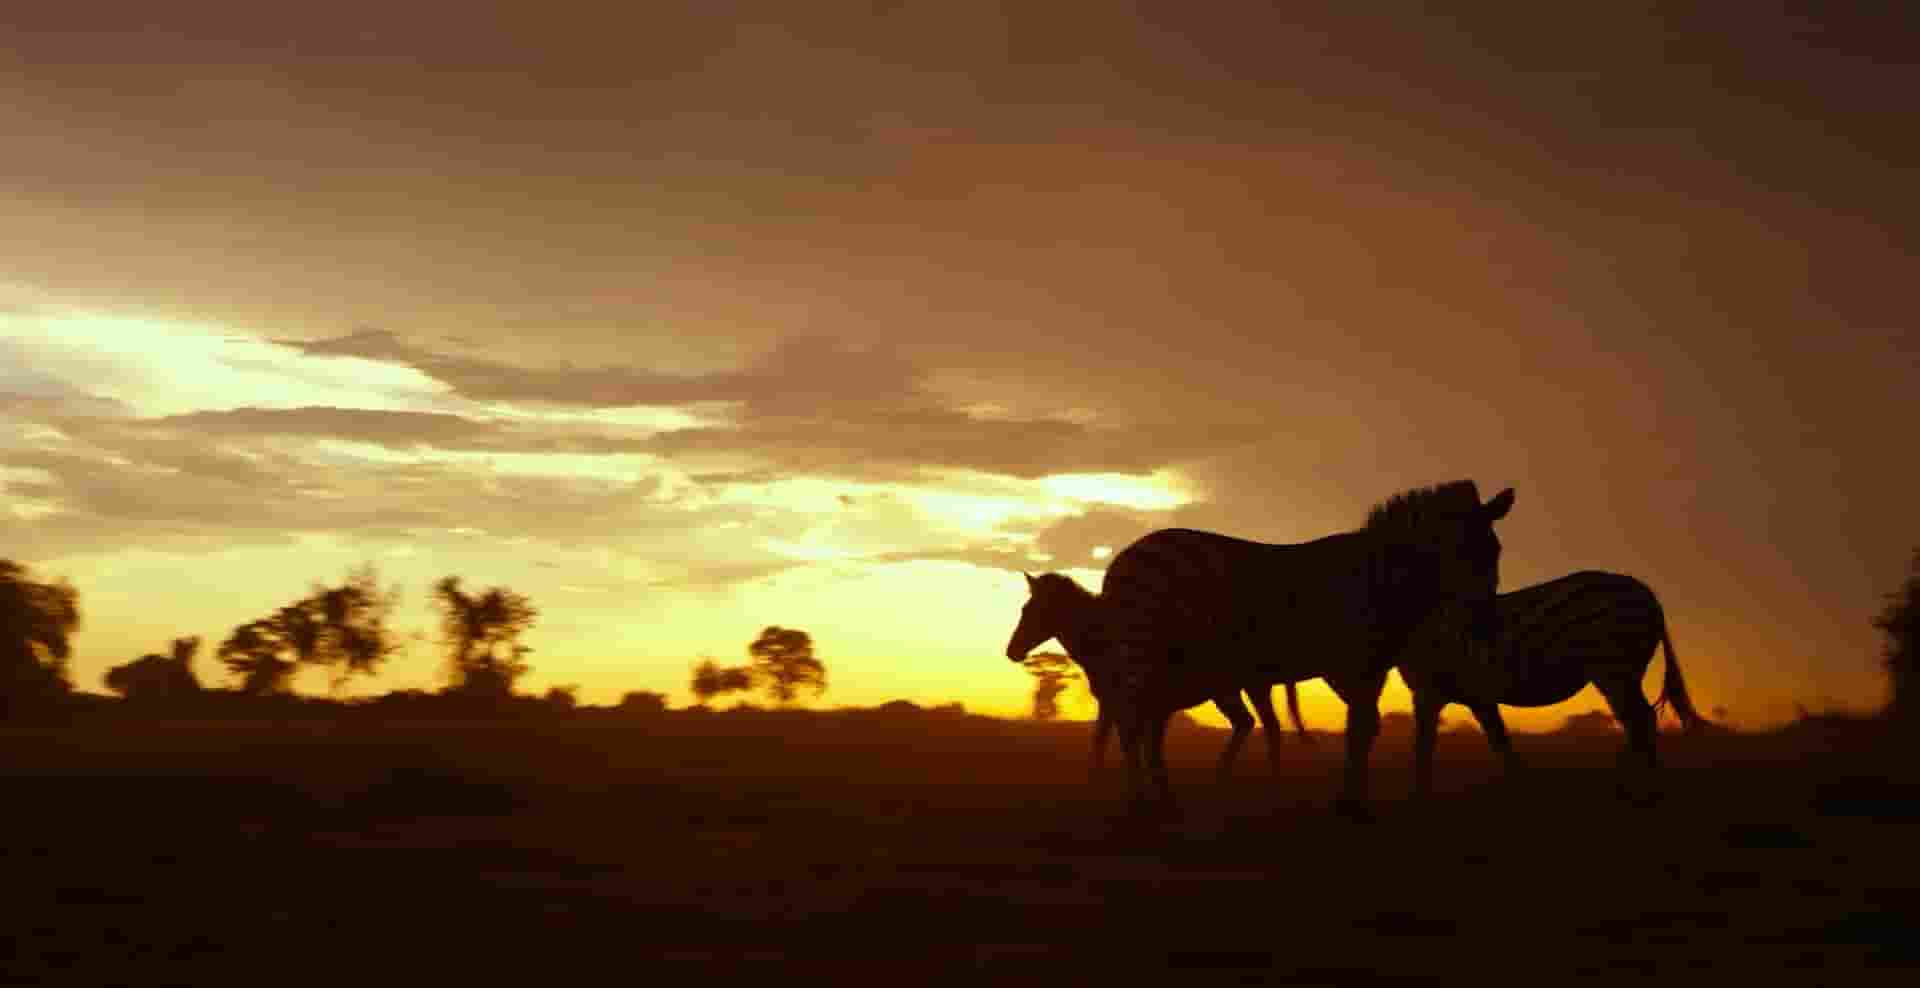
769	847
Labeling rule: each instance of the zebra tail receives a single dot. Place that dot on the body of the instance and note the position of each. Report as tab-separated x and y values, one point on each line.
1673	688
1293	708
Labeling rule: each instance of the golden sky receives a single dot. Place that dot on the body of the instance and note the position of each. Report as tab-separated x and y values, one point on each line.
696	318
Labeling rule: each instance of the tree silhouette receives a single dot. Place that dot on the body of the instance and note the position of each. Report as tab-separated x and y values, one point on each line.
36	622
354	638
158	678
710	680
481	634
342	629
258	653
642	702
562	699
1900	622
1052	673
783	660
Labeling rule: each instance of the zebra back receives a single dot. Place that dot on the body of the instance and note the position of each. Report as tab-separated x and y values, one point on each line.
1552	638
1199	611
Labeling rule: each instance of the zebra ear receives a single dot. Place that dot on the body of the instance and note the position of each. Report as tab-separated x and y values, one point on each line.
1497	508
1030	580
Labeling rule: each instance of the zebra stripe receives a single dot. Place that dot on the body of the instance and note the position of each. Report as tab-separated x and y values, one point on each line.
1193	614
1205	602
1059	608
1555	638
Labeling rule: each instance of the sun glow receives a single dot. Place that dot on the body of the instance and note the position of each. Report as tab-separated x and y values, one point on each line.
158	367
1158	491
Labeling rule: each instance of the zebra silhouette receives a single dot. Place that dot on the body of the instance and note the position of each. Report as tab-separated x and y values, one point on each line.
1191	615
1058	607
1554	639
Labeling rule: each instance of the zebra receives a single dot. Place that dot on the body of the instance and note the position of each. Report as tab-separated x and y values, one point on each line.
1191	615
1059	607
1554	638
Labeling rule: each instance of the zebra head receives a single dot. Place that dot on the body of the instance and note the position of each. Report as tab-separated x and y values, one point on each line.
1056	607
1445	553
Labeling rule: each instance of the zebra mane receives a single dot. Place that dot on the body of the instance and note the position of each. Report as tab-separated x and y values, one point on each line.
1408	511
1061	583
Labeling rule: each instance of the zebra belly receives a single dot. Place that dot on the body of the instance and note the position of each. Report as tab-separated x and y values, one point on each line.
1177	688
1545	687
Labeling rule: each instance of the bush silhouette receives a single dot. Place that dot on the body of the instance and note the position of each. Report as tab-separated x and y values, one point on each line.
158	678
36	622
1900	622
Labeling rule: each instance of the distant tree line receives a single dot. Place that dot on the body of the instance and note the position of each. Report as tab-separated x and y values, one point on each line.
780	663
345	629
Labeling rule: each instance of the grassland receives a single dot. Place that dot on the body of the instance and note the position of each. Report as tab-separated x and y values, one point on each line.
927	847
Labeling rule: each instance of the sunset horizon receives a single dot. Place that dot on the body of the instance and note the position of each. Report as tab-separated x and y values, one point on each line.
685	326
498	490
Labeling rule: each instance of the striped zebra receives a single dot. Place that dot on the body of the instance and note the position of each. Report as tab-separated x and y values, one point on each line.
1058	607
1192	615
1554	638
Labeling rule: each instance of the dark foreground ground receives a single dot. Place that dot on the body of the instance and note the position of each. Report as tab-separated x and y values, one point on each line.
209	853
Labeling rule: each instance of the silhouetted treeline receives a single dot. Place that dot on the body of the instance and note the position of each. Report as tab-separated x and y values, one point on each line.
559	703
1900	622
343	629
780	662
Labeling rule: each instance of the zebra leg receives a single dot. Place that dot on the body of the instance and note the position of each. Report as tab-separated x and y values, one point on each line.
1426	730
1636	717
1363	725
1495	728
1262	698
1293	707
1156	751
1130	754
1230	706
1496	737
1102	730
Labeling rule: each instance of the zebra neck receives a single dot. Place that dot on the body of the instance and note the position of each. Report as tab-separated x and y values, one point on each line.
1081	641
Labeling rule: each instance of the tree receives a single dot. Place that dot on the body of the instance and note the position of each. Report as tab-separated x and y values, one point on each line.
481	634
155	677
354	639
37	621
1052	673
342	629
710	680
562	699
257	652
784	662
642	702
1900	622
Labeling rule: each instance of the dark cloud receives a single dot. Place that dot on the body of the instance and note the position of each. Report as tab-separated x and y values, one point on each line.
881	445
393	429
1068	542
389	428
808	406
797	375
170	488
